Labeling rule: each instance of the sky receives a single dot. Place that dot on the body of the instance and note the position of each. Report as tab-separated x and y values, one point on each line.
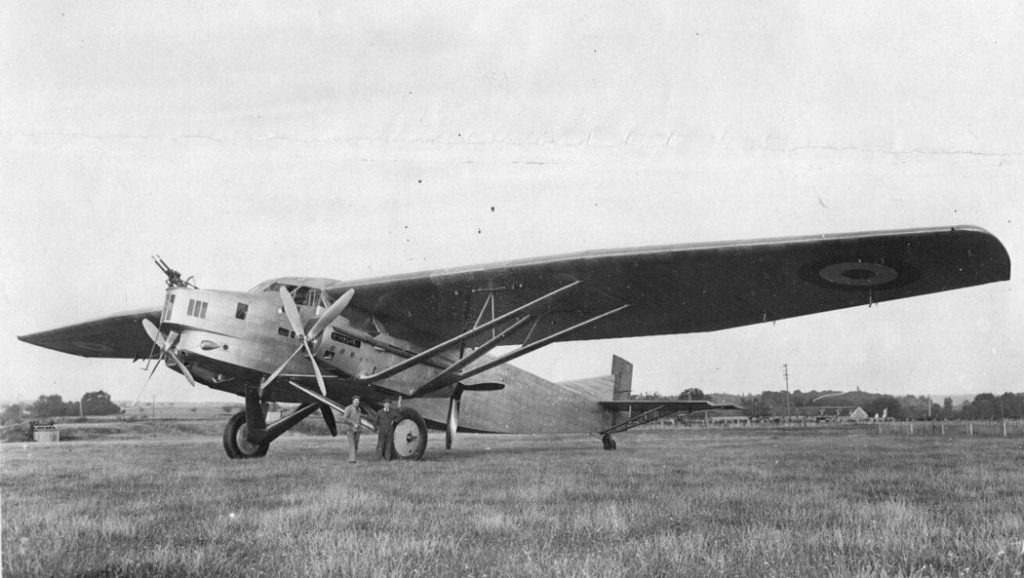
243	141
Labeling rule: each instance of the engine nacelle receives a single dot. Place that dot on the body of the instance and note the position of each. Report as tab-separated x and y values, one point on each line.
343	351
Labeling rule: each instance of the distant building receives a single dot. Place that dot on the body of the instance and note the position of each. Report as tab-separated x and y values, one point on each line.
858	415
45	433
730	420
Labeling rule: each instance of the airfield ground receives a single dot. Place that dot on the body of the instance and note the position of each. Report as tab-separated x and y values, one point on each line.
165	501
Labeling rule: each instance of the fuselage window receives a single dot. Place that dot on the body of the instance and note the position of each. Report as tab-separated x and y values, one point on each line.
241	311
169	307
197	308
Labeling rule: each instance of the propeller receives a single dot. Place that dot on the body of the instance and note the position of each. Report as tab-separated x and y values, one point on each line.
328	414
171	338
166	345
292	312
454	404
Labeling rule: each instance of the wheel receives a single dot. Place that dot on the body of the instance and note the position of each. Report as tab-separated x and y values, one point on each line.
235	443
410	435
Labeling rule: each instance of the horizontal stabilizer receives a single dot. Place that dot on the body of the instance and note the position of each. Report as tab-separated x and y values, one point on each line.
635	405
644	411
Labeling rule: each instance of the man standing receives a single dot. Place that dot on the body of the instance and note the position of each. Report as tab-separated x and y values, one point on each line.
385	424
350	425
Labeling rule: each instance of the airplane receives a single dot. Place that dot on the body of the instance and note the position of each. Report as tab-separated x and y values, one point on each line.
427	339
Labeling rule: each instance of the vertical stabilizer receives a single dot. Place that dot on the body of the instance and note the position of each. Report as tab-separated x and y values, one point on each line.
622	372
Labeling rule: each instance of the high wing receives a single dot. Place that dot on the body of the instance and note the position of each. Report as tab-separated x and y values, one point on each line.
686	288
667	289
119	336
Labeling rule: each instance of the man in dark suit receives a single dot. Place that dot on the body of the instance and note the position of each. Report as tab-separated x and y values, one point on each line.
385	424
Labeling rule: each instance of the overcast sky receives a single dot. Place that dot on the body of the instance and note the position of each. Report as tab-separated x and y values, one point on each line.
244	141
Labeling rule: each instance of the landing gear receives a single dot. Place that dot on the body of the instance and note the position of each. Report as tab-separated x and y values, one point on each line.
410	439
243	439
236	441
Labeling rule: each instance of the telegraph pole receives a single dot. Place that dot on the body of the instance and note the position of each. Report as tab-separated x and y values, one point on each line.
785	375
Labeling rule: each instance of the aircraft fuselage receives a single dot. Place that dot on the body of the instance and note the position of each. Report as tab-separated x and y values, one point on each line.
229	337
230	340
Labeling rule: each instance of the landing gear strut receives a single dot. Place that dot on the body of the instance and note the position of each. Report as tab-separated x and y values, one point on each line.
236	440
248	435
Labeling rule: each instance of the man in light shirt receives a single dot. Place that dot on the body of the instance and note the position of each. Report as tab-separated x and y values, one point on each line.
350	424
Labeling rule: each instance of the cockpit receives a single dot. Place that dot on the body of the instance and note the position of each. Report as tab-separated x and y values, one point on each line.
303	295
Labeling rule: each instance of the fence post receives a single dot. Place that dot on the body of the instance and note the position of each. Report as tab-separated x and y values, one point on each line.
970	429
911	428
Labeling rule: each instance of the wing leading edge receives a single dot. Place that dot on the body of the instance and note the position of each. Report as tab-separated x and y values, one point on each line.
691	288
119	336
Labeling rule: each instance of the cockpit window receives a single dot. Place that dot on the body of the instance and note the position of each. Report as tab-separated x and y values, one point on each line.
271	287
307	296
304	296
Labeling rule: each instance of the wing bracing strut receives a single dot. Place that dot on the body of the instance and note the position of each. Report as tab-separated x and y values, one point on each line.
447	377
441	347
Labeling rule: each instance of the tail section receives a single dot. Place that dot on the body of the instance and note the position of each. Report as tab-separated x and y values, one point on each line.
620	382
622	373
532	404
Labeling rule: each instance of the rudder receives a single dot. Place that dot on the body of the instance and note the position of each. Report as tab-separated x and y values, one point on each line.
622	373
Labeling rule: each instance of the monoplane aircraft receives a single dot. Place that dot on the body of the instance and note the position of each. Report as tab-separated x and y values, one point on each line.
426	339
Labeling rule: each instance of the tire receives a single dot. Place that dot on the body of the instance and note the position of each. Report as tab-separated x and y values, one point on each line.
410	439
235	444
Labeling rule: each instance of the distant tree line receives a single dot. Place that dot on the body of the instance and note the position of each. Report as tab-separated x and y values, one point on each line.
92	403
774	403
988	406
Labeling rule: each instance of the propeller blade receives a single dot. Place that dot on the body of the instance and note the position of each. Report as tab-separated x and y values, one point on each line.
332	425
184	370
292	311
270	378
316	369
163	352
165	345
155	367
153	332
453	421
332	313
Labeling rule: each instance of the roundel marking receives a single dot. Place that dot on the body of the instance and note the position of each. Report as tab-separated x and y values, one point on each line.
858	274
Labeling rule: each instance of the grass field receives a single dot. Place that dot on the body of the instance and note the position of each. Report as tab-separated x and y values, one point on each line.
666	503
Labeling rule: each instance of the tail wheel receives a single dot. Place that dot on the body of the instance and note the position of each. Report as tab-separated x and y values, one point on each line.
609	443
410	435
236	444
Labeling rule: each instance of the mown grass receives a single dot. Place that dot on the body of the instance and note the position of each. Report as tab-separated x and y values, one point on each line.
667	503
